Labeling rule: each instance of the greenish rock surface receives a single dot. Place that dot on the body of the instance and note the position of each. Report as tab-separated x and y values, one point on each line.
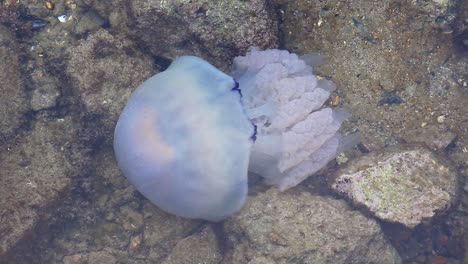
404	185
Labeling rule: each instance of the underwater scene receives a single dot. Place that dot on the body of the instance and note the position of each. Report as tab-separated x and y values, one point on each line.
233	131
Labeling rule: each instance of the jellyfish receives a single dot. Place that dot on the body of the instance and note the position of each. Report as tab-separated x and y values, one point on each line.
184	139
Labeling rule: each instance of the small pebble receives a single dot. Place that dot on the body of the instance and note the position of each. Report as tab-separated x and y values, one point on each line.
38	24
335	100
49	5
62	18
341	158
135	243
390	98
441	119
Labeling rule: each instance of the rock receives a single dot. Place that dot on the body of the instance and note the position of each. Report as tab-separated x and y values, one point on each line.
162	231
461	27
12	97
90	21
101	257
75	259
104	71
298	227
33	174
456	226
244	24
44	97
215	30
114	219
441	13
441	81
46	93
197	248
106	167
131	219
433	137
366	60
406	185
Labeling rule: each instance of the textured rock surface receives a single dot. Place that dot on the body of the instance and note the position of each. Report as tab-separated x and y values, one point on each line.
31	180
101	257
392	50
298	227
441	13
377	52
12	96
435	138
163	231
215	30
403	185
47	91
105	70
198	248
244	24
377	47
